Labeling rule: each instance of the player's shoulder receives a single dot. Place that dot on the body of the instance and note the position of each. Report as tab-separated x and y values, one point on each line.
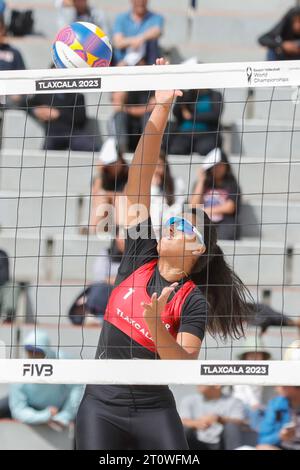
196	300
198	293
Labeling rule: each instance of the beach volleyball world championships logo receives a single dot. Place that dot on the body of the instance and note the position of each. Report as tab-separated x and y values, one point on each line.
249	74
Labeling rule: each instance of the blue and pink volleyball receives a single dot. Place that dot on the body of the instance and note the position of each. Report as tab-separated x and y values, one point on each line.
81	44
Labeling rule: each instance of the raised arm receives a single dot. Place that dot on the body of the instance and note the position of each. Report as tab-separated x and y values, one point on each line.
197	195
138	188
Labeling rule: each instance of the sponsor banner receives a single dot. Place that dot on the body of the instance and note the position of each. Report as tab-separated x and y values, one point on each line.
235	369
145	372
37	370
68	84
268	76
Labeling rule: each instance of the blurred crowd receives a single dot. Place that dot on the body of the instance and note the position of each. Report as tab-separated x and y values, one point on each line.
195	125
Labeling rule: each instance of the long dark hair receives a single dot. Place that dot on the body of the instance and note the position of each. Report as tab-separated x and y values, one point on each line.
167	182
287	32
228	177
226	294
115	183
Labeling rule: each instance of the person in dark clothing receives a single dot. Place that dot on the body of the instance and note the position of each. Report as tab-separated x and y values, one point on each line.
165	295
264	316
10	58
131	110
63	117
197	128
219	191
90	305
131	113
108	185
283	41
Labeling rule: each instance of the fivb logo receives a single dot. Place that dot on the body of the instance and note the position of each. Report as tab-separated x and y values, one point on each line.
37	370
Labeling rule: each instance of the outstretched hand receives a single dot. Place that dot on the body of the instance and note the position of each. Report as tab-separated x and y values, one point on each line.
166	97
156	306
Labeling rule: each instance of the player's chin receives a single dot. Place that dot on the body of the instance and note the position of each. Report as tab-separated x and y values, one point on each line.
168	245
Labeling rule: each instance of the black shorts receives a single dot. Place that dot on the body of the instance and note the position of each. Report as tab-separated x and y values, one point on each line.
112	417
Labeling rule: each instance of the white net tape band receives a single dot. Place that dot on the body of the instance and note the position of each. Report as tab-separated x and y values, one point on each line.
138	372
230	75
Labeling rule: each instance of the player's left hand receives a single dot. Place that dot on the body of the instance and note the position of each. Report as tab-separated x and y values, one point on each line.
156	306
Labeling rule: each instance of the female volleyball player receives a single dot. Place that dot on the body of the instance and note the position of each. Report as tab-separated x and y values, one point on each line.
166	295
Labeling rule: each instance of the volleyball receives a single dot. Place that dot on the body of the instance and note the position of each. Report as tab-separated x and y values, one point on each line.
81	44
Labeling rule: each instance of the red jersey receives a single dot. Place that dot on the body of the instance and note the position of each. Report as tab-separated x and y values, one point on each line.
125	312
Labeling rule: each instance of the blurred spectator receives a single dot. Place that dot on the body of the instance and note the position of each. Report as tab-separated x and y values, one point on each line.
252	395
280	427
131	109
193	4
283	41
2	7
219	192
263	316
63	4
136	29
89	307
41	403
112	173
10	58
81	10
207	413
292	352
10	294
197	128
167	194
63	117
107	263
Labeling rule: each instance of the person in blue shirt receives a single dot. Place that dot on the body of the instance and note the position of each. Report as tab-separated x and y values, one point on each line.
136	29
41	403
280	427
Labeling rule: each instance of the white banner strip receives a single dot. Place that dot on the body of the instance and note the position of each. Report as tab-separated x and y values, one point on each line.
149	372
106	79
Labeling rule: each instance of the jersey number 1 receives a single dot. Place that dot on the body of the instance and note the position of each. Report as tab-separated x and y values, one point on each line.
129	293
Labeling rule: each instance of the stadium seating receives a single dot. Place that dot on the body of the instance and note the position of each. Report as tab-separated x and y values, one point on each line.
266	138
18	436
79	342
